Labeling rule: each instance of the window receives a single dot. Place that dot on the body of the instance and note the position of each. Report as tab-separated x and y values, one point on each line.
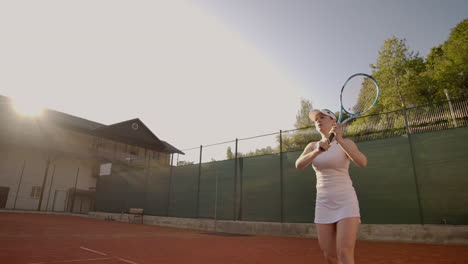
133	150
36	192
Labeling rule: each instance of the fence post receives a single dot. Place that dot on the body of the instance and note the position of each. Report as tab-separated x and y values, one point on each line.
281	175
19	184
234	214
74	191
451	108
44	180
146	173
199	176
416	182
168	207
50	188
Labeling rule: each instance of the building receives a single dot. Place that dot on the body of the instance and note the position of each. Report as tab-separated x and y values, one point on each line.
52	162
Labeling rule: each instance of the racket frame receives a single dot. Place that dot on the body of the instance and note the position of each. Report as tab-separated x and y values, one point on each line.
342	109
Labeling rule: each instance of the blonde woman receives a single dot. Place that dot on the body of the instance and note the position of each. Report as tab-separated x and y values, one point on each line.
337	215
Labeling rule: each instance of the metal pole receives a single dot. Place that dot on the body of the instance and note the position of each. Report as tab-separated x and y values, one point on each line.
235	184
44	180
74	190
170	184
50	188
147	172
199	176
451	108
241	175
19	184
216	202
418	195
281	174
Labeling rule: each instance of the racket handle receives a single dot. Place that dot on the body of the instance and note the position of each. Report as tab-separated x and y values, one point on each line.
330	138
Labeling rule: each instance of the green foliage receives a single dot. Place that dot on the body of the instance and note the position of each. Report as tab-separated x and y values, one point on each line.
407	79
448	63
229	154
182	163
302	117
304	134
399	74
257	152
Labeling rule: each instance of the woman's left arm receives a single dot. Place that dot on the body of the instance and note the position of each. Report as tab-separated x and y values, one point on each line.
349	147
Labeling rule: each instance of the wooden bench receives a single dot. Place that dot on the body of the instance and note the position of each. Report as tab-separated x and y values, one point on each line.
137	214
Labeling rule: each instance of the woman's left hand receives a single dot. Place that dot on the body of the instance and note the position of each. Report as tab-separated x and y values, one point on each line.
337	129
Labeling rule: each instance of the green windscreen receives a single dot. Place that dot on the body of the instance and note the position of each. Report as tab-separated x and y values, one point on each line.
184	191
217	189
441	160
157	192
409	180
299	190
386	187
261	189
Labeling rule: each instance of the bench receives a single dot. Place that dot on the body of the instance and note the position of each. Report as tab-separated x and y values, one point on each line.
137	214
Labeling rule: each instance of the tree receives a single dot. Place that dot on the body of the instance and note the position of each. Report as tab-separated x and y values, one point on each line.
399	73
448	63
305	132
302	117
229	154
182	163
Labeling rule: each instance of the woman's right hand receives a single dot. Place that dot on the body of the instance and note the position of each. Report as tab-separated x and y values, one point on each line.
322	145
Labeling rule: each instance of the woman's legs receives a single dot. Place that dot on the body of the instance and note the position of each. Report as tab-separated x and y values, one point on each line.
346	233
327	241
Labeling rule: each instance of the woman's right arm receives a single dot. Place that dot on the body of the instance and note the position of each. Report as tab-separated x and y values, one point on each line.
309	154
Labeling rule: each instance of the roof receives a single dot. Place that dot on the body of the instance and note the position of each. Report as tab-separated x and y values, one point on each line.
71	121
124	132
136	133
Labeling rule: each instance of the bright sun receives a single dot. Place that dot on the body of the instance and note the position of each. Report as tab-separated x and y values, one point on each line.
28	107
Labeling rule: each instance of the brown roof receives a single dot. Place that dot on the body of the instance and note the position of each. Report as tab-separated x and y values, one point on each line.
132	132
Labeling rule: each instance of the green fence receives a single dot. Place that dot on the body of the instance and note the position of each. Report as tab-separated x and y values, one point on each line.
422	178
417	174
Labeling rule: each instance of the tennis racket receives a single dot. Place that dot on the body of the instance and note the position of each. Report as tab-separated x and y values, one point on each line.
358	95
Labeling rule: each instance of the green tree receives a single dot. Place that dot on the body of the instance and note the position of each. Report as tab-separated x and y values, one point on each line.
399	73
302	117
229	154
305	133
448	64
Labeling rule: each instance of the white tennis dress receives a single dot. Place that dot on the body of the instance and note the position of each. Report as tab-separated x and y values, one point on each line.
336	197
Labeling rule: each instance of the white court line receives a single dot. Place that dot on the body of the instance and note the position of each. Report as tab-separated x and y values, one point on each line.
73	260
94	251
88	249
128	261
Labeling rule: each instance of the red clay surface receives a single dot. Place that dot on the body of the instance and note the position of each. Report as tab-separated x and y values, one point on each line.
37	238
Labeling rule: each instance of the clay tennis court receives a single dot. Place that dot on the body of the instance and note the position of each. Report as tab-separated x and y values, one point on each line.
41	238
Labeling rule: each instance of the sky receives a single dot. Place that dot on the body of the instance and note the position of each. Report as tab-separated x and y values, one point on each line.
206	71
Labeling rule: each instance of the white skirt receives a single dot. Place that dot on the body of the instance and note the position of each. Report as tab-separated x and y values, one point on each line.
334	203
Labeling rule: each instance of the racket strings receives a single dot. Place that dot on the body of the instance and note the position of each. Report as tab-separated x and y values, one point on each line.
359	95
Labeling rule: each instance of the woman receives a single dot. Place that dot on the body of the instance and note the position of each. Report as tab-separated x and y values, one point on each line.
337	215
